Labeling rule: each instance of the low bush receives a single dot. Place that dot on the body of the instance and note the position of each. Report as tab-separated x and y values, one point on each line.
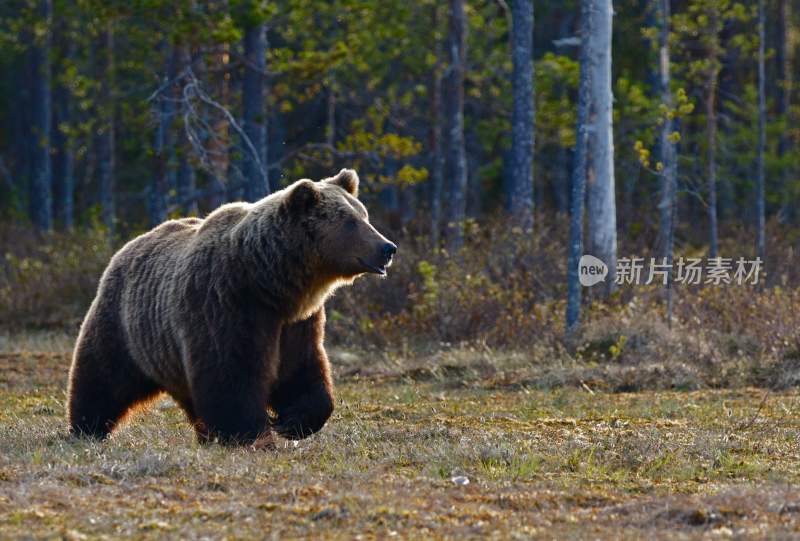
49	280
503	291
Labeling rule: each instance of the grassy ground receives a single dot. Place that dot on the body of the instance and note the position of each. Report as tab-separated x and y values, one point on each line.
558	462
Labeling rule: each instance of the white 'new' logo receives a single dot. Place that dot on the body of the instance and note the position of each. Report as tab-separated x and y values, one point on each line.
591	270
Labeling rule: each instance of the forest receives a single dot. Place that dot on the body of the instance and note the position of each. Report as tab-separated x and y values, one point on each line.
499	144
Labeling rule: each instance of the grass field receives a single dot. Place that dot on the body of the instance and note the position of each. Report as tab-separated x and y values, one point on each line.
560	462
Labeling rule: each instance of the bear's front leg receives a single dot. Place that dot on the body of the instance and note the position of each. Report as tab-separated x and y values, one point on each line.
302	397
232	416
230	390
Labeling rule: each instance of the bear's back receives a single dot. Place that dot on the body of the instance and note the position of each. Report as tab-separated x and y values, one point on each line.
224	219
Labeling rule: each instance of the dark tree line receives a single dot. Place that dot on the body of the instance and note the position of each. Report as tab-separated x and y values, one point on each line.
122	114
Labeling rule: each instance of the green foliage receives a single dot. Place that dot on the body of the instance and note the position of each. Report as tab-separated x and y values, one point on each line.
697	35
372	64
556	87
682	108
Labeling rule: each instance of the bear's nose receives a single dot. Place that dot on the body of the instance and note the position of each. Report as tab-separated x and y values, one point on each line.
389	249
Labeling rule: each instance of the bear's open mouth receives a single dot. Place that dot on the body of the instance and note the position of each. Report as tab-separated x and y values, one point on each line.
372	268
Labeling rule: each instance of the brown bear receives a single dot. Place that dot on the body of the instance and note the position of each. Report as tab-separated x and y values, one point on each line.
226	315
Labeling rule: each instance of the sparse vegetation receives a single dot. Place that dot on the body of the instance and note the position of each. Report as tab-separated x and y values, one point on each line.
544	462
452	369
503	293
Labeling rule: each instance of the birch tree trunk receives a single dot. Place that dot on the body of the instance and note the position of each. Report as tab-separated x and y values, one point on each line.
254	156
522	122
41	185
666	147
579	172
762	137
457	154
600	182
669	172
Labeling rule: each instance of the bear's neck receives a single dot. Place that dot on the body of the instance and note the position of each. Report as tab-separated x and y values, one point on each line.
282	267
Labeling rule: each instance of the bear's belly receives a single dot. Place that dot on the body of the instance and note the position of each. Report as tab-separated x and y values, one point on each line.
158	355
154	343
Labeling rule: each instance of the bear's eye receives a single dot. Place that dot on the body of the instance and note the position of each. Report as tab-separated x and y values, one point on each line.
351	224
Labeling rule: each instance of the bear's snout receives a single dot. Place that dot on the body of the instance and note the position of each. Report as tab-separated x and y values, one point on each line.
380	259
389	249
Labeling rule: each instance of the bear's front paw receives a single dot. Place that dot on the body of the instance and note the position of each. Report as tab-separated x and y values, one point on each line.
265	442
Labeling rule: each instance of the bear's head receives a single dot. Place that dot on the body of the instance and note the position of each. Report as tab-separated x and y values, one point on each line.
330	213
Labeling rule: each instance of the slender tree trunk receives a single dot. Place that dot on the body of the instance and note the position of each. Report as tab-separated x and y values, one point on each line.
277	152
85	173
474	192
163	145
219	144
254	155
105	144
667	148
561	180
330	129
579	171
234	173
629	174
22	142
185	179
41	186
711	141
522	127
711	130
600	183
64	159
762	136
669	177
785	77
651	9
457	45
784	68
436	155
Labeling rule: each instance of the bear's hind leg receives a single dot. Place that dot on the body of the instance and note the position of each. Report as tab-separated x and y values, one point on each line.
104	383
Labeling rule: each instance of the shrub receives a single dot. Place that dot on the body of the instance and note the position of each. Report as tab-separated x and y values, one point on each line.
502	292
49	280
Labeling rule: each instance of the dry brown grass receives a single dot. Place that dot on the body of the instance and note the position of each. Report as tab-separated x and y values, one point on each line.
563	462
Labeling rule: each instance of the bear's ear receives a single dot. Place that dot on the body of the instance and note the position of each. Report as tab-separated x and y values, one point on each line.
303	196
346	179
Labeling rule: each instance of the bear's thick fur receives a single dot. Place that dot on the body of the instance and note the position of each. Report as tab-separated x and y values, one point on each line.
226	315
